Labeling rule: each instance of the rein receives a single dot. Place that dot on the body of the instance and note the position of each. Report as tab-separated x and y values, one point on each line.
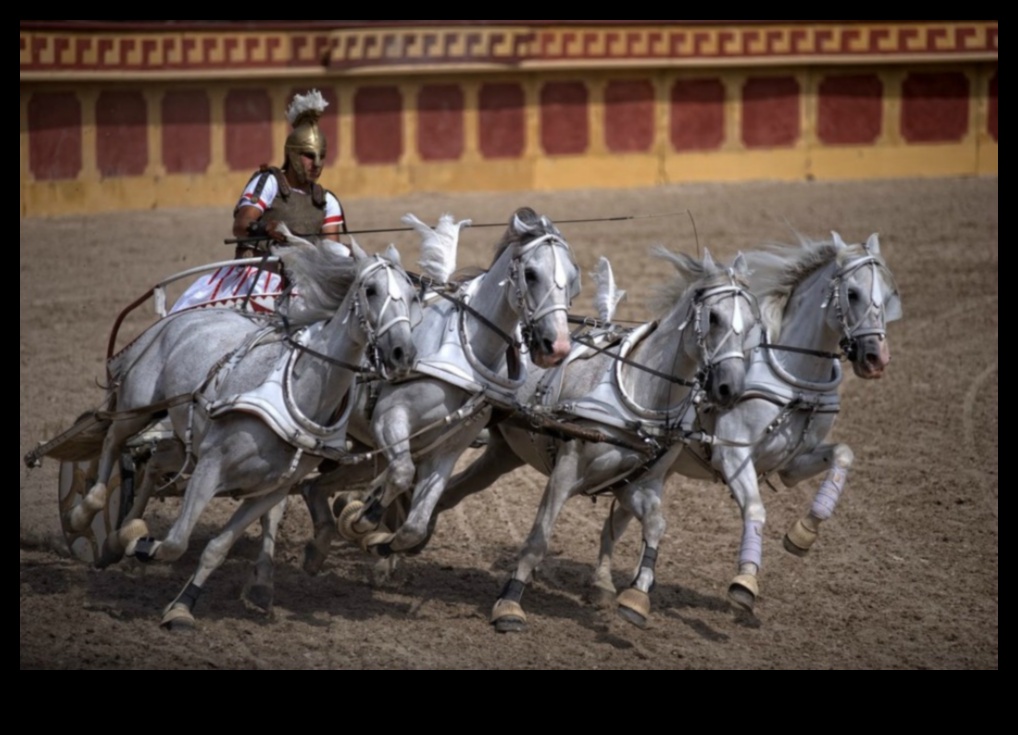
638	366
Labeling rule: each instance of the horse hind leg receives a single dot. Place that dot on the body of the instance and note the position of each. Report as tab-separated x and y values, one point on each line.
166	460
260	589
507	614
95	500
602	592
323	523
836	459
643	502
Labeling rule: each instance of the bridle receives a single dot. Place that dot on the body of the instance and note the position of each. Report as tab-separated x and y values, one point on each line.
529	310
873	321
359	312
377	328
731	346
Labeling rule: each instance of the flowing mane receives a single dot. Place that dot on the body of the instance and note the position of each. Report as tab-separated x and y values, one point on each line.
321	274
778	269
688	270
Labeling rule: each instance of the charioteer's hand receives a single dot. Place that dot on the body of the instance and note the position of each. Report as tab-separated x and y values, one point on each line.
272	230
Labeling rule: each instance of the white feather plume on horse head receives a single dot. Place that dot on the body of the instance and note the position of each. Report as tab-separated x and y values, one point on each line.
608	296
438	245
309	106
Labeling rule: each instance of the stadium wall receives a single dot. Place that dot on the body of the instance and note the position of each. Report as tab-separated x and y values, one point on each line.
170	114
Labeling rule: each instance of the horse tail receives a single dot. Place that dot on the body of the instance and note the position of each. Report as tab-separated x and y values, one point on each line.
83	441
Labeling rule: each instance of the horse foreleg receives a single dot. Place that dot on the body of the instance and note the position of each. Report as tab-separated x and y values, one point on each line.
180	612
260	589
414	532
643	500
391	431
737	466
507	614
836	459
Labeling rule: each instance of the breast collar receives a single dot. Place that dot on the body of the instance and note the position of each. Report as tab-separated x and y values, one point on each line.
455	362
609	403
273	403
767	379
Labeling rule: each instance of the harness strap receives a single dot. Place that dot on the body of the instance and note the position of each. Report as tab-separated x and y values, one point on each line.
800	350
326	358
478	316
638	366
163	405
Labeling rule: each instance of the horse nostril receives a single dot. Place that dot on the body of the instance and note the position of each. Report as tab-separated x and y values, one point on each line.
549	346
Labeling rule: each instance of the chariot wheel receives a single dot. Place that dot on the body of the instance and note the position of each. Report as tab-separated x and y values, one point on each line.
75	480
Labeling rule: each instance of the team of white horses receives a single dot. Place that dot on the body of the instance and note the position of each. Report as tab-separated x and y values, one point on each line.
366	366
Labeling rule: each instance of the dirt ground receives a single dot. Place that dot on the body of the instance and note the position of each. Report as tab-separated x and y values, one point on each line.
903	577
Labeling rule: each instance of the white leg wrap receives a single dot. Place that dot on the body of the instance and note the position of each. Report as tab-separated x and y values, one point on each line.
751	550
829	493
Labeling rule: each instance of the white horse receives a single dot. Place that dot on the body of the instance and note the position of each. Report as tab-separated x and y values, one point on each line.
257	408
644	393
469	365
820	301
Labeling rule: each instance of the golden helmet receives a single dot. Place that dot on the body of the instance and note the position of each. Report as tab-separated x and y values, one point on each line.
305	138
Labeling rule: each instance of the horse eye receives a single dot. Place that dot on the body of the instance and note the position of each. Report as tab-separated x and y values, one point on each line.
853	295
530	275
370	291
712	320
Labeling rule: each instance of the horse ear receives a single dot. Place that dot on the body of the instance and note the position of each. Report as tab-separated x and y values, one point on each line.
739	266
873	244
358	254
838	242
708	260
392	255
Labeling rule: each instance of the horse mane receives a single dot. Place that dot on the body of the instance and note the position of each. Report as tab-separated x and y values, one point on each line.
688	271
321	274
778	268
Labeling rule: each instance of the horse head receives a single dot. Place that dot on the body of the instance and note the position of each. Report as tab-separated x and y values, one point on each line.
387	309
717	321
544	280
863	298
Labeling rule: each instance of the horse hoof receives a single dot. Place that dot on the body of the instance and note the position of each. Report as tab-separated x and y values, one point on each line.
259	596
130	533
508	617
603	597
634	606
743	591
346	520
799	539
314	560
176	618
